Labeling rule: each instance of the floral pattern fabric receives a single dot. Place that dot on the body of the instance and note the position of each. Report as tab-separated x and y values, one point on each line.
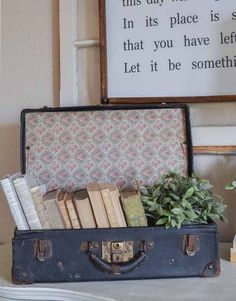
71	149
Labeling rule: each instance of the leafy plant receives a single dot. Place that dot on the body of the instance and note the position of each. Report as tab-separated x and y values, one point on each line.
178	200
231	186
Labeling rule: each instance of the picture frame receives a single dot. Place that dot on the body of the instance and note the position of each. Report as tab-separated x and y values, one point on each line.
106	8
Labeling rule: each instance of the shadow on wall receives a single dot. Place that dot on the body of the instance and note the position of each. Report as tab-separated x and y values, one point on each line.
9	163
220	170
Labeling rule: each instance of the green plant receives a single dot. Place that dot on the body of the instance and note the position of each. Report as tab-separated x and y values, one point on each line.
178	200
231	186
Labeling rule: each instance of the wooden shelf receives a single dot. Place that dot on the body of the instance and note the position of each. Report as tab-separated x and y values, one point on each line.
214	150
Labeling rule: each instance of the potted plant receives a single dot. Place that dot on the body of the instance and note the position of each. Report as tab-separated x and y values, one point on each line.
177	200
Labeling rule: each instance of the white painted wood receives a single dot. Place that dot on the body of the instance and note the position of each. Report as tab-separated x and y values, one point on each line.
68	53
86	43
46	294
214	136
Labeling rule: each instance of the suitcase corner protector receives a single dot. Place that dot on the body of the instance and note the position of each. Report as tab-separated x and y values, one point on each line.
21	276
212	269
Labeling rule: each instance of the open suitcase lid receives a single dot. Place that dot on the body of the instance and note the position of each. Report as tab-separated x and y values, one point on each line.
70	147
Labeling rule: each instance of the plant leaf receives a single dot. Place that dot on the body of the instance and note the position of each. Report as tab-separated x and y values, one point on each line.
177	211
175	197
162	221
144	191
191	214
189	193
213	216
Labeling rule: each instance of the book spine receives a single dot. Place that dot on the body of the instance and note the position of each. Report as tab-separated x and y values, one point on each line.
40	208
110	208
14	204
115	198
85	213
118	207
99	209
64	214
54	214
72	214
27	203
134	211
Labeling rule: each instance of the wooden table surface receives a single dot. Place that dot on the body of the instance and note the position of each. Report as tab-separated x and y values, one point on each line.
222	288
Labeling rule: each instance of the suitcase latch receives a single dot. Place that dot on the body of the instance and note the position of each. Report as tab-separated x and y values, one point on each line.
117	252
43	249
191	244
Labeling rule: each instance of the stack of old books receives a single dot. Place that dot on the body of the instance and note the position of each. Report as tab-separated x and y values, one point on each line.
96	206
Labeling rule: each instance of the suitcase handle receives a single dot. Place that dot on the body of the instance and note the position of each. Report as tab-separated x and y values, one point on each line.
121	268
118	268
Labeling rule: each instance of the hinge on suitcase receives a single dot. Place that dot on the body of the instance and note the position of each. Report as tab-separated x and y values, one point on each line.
191	244
43	249
105	101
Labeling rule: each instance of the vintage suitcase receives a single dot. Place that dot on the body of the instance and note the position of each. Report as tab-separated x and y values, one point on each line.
70	147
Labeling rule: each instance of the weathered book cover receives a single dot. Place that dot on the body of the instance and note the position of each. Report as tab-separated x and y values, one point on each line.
113	206
71	210
98	206
37	195
109	208
115	195
27	203
61	203
14	202
134	210
84	209
50	203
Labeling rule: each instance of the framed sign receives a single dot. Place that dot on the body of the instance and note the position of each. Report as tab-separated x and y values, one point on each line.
168	50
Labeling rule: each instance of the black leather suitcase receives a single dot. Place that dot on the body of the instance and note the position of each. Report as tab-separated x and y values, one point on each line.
70	147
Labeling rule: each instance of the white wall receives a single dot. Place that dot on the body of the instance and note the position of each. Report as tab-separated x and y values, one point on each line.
29	76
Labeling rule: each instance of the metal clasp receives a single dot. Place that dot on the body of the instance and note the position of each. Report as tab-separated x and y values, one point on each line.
191	244
43	249
117	252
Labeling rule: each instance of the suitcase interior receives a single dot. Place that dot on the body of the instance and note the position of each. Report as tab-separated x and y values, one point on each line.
70	147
